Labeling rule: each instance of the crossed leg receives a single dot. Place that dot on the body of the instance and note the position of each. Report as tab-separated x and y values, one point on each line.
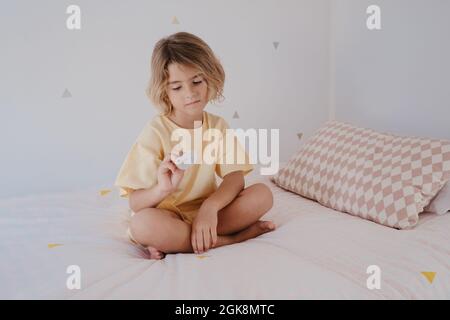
162	231
246	209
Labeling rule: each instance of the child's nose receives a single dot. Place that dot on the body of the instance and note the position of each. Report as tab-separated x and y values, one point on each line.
191	93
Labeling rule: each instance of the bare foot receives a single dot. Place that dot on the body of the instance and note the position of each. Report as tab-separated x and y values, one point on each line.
155	253
256	229
252	231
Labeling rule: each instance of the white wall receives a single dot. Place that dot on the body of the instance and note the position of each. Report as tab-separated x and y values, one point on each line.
396	79
51	144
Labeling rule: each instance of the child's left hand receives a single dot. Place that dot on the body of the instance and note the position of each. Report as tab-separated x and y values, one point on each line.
204	229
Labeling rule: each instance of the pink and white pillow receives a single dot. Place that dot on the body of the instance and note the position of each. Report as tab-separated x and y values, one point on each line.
441	203
376	176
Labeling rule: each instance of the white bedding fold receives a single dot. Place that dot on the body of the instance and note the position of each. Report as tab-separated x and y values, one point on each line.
316	252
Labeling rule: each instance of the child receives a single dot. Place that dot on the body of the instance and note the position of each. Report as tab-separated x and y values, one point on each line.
176	210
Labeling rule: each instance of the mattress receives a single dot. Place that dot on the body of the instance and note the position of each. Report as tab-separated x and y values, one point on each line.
315	253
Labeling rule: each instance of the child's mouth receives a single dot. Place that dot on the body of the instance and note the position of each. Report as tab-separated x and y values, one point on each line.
192	103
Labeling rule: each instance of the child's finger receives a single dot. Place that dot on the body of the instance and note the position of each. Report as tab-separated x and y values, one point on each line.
164	164
213	237
166	158
169	166
193	241
206	239
199	239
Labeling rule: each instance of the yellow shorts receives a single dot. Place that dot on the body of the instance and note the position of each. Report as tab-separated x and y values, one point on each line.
184	217
130	236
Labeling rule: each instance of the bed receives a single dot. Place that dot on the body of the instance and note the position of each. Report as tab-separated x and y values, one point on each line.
315	253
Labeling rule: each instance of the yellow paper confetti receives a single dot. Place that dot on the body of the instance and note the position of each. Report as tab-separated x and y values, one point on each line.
53	245
104	192
175	20
202	257
429	275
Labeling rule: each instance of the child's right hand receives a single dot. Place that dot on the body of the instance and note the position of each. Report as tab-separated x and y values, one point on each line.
169	176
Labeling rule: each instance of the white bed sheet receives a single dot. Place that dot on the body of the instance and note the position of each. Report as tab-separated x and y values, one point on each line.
315	253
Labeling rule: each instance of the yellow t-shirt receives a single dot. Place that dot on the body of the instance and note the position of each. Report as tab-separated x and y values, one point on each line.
139	170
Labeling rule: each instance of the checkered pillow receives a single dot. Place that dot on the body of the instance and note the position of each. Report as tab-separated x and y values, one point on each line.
380	177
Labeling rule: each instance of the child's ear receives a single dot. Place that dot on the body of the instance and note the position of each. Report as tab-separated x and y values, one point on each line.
210	94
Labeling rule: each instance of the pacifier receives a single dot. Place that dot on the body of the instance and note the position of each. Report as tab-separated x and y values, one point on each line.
183	160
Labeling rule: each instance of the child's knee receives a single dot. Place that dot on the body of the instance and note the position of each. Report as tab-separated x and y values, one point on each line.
268	196
144	226
263	196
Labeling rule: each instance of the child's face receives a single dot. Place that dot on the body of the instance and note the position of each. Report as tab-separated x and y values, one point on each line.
186	85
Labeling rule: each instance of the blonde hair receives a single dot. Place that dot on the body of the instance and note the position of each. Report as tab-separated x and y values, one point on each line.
189	50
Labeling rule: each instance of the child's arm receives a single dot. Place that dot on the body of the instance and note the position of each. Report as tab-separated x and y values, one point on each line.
205	223
232	184
169	177
147	198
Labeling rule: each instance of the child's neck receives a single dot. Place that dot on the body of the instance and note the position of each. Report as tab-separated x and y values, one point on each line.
185	121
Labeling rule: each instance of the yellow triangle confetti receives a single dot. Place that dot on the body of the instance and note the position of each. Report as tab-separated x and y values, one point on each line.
53	245
104	192
202	257
429	275
175	20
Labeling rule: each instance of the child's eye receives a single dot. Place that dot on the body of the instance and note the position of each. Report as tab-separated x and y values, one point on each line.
195	82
